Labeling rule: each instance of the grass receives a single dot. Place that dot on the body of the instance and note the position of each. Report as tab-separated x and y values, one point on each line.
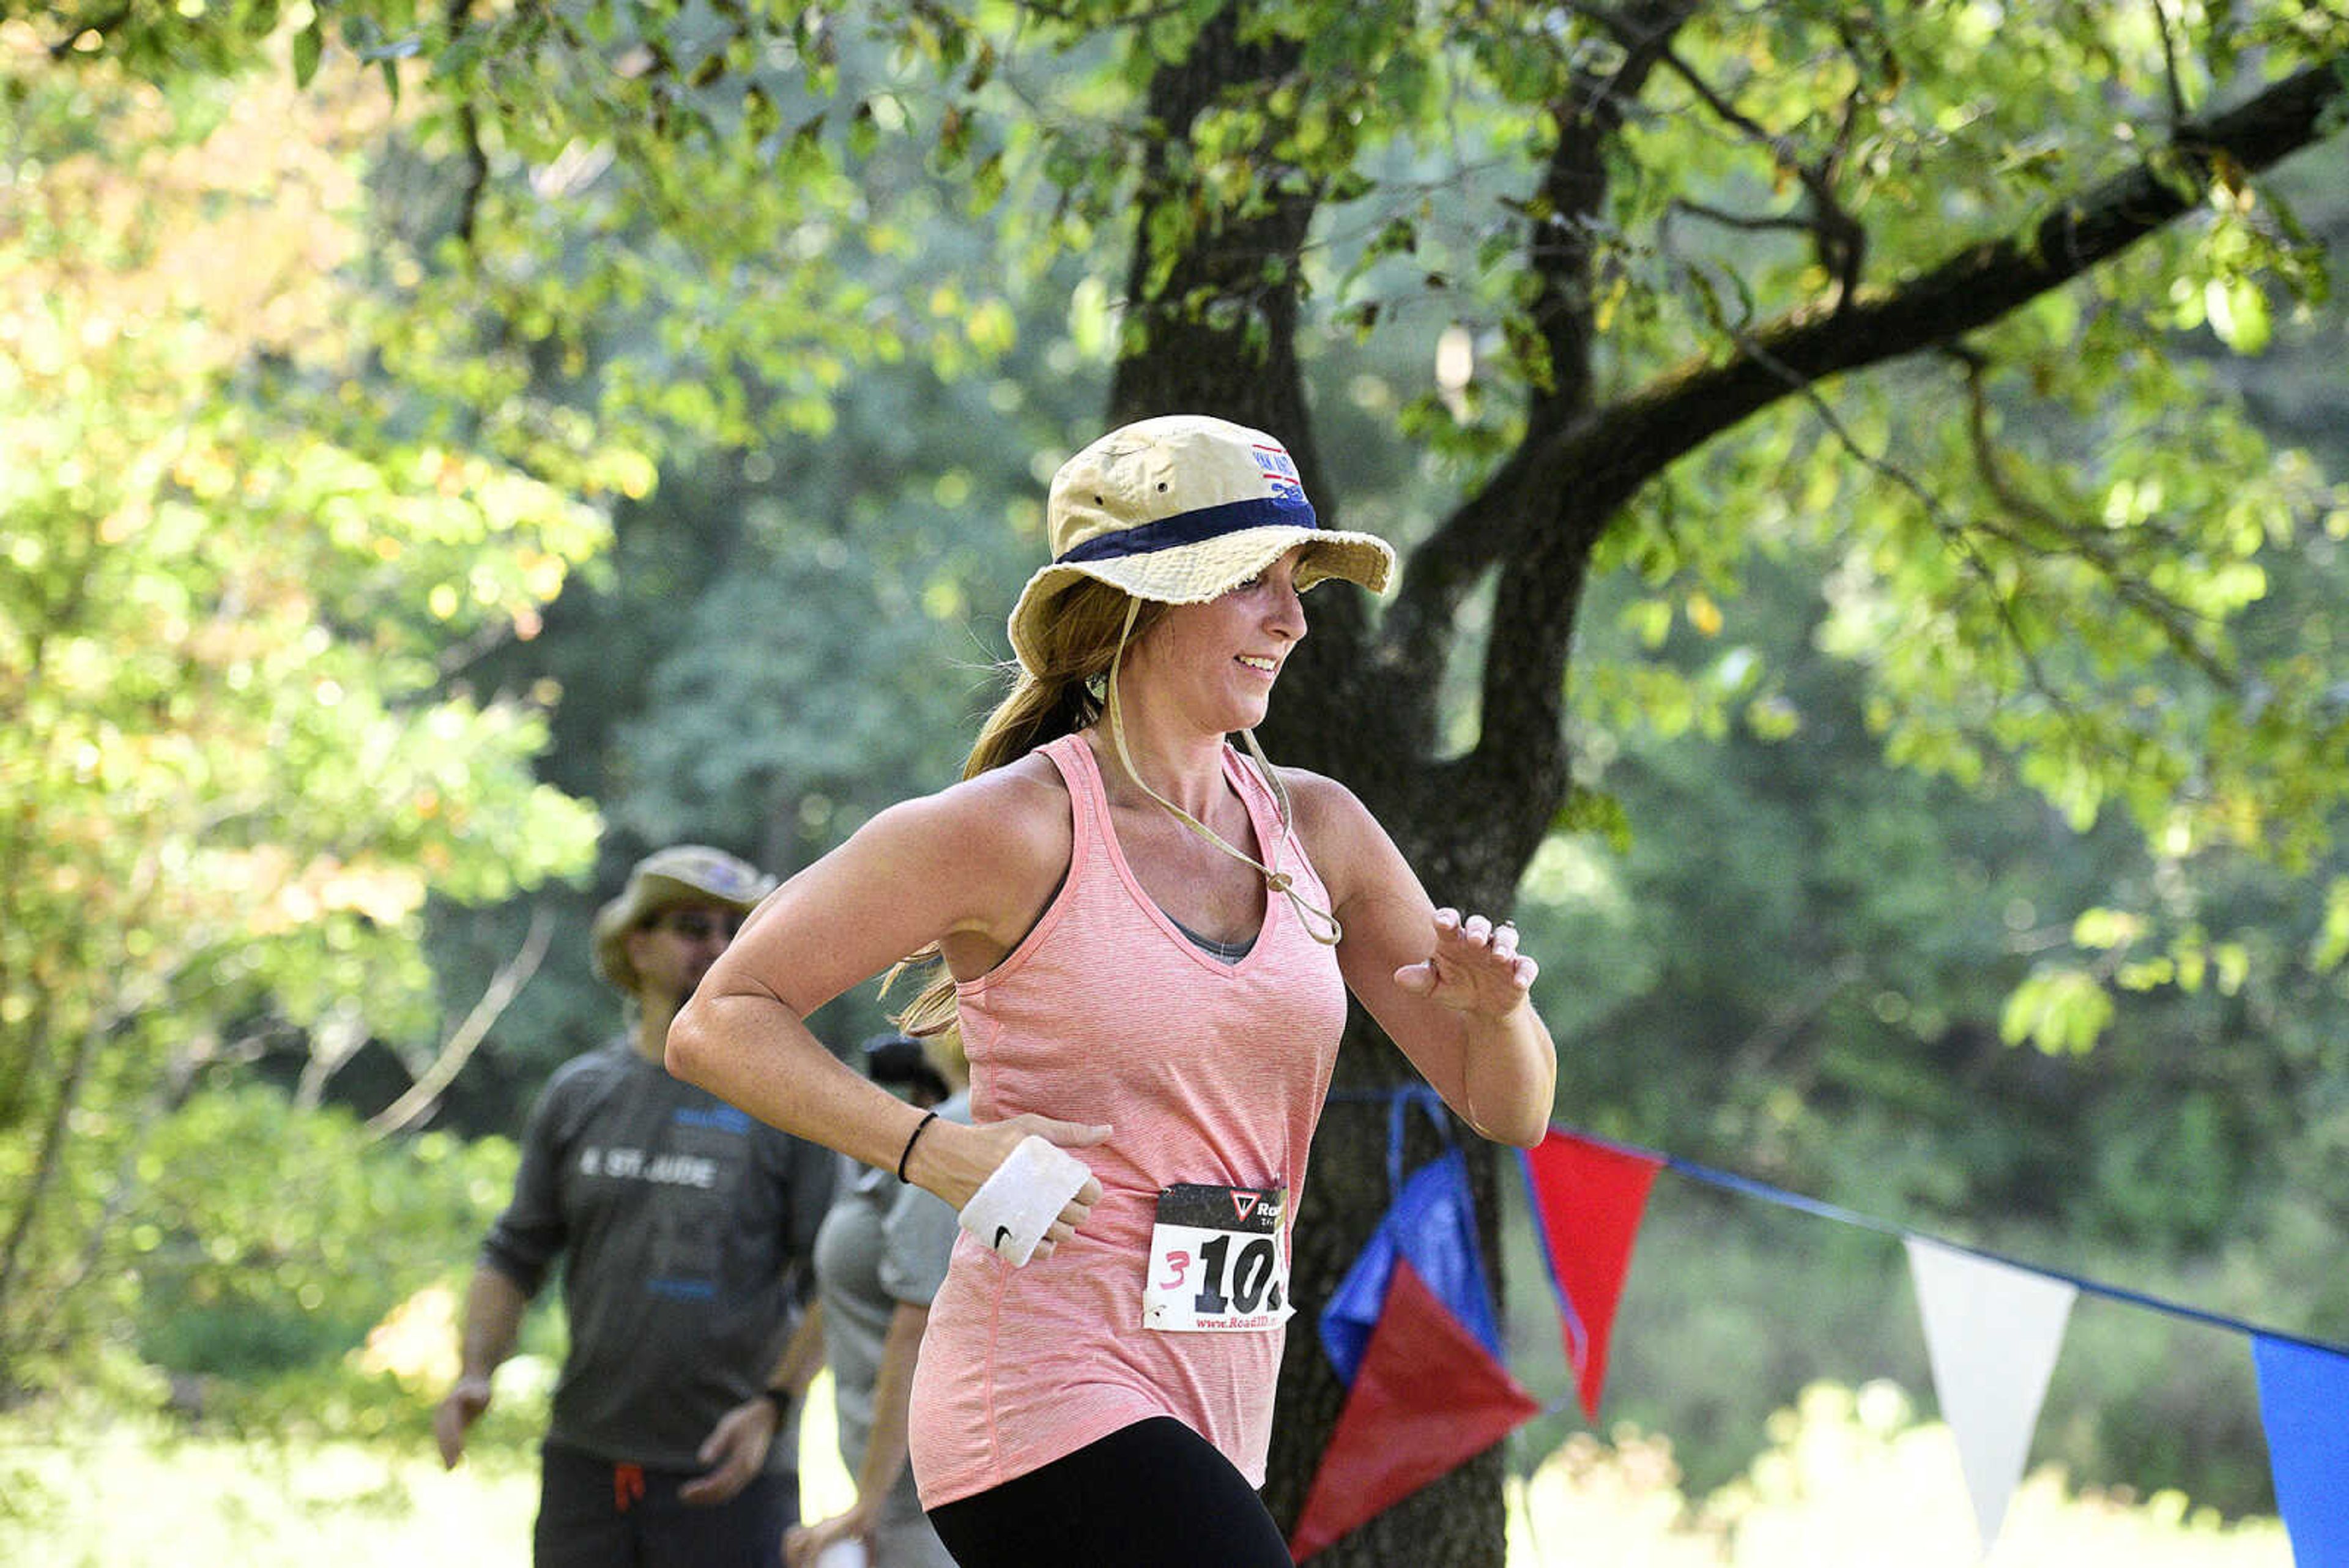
1849	1479
136	1495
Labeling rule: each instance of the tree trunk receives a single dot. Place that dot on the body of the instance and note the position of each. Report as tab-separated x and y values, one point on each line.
1359	698
1358	714
15	1253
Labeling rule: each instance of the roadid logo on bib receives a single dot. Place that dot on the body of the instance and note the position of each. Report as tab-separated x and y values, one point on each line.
1218	1261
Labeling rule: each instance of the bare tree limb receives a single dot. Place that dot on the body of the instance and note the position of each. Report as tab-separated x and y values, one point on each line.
496	997
2083	542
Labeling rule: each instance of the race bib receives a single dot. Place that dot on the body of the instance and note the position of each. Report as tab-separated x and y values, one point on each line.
1218	1261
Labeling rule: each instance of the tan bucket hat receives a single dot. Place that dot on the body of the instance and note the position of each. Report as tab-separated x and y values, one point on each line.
682	874
1178	510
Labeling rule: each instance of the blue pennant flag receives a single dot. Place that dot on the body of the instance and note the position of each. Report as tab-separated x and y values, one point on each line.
1432	1227
2304	1402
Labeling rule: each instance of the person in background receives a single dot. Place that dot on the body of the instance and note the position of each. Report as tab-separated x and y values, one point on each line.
1149	938
684	1228
879	1258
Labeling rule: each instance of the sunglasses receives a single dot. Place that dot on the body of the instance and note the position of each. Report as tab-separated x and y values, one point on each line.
698	925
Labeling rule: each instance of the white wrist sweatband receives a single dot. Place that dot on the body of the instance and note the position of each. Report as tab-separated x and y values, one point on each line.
1012	1209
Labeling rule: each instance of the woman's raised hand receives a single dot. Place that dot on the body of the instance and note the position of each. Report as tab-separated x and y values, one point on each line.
1474	967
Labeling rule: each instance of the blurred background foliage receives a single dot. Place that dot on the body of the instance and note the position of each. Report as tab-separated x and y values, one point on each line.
362	618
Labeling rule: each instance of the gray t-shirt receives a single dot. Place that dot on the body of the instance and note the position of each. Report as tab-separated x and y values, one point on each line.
885	1243
684	1226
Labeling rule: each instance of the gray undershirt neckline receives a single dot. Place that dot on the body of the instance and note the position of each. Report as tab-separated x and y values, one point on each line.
1222	952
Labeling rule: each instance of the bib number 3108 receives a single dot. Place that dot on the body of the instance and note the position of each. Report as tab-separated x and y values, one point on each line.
1217	1261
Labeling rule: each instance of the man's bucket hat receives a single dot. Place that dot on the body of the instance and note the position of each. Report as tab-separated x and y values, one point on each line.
683	874
1180	510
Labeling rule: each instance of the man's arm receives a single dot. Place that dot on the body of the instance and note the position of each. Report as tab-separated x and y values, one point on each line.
802	1355
495	1304
737	1447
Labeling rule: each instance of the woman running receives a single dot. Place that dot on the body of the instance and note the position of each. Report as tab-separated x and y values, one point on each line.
1148	937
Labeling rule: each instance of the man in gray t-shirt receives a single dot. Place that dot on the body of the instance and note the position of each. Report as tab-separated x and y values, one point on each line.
683	1229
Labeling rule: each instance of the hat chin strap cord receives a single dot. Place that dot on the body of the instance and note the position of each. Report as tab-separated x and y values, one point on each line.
1320	924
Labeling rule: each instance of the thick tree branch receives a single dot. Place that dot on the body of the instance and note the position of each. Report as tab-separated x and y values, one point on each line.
1237	354
1539	516
1522	700
1244	266
1592	466
1572	201
1620	448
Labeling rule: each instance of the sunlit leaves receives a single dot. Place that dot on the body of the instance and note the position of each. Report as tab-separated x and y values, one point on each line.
2237	310
238	1279
232	597
2332	943
2059	1010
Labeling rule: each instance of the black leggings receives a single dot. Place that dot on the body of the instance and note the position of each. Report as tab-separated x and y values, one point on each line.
1153	1495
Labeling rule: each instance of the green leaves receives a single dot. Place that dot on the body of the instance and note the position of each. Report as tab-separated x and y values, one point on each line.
309	44
2237	310
240	1284
237	576
2060	1011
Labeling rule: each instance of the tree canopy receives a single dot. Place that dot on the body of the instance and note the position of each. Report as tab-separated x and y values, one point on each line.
236	574
1913	302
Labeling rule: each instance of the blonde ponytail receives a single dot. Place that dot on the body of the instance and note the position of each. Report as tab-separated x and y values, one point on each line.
1088	625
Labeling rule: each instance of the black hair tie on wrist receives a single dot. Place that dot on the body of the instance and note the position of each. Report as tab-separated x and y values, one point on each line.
911	1138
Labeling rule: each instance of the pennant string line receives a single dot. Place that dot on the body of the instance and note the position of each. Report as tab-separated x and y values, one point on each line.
1746	1185
1584	1190
1819	1209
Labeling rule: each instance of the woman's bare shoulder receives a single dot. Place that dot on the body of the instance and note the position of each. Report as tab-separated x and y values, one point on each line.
1349	850
1004	820
1322	806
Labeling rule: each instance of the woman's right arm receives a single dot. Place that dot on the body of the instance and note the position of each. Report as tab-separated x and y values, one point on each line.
968	867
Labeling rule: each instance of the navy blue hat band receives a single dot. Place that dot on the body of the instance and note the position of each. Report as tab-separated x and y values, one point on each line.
1193	527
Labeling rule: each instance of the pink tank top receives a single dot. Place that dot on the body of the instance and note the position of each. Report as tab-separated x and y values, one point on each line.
1207	1072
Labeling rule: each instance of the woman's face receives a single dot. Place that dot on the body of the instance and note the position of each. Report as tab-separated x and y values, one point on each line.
1220	659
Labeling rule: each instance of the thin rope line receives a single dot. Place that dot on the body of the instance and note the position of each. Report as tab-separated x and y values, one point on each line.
2081	1281
1820	1208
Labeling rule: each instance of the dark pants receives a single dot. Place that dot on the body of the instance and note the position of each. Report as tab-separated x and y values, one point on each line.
593	1513
1153	1495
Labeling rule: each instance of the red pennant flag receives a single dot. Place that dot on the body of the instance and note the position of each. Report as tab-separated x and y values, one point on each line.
1427	1398
1589	1198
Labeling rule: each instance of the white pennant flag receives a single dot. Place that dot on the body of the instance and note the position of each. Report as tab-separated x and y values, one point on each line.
1993	1331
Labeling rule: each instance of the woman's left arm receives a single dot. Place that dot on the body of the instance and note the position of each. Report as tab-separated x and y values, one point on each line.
1452	990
